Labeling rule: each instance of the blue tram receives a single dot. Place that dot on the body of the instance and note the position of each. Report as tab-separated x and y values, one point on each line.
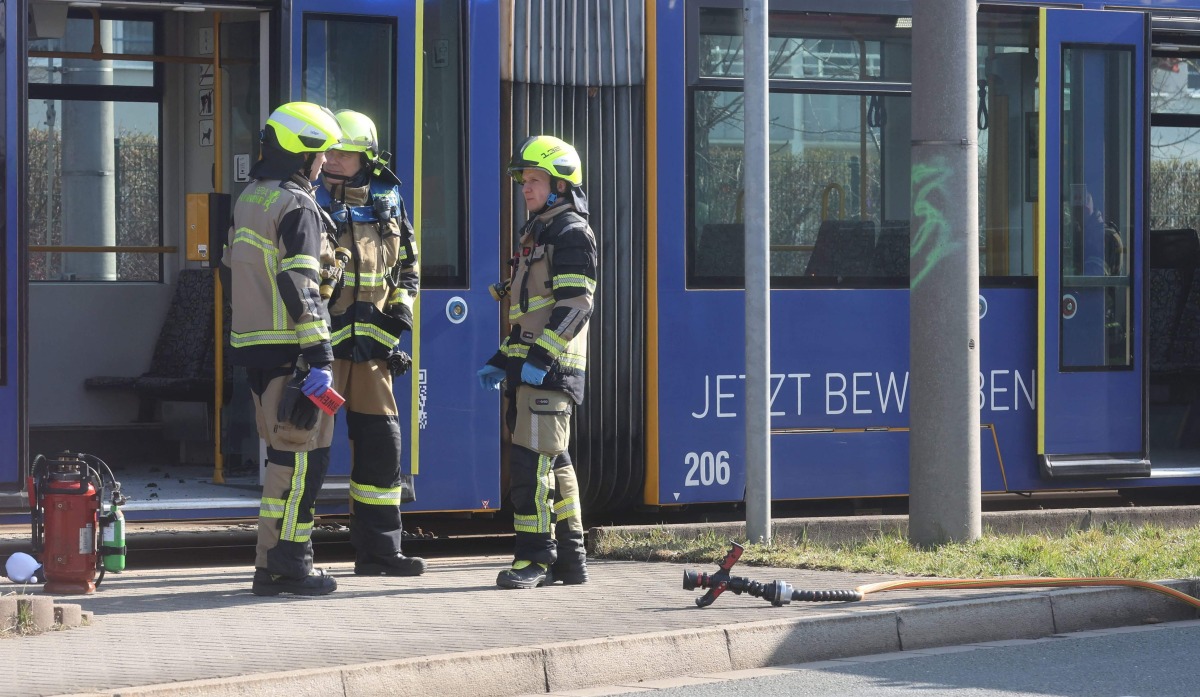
129	123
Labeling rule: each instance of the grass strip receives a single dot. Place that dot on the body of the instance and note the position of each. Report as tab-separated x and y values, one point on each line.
1122	550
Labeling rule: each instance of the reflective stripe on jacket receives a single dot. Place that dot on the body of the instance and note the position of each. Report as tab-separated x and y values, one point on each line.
382	278
278	244
550	301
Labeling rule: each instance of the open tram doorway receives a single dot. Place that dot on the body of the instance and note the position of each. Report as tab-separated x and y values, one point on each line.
1173	277
137	120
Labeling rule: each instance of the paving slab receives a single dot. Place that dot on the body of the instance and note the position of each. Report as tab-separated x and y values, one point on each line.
200	633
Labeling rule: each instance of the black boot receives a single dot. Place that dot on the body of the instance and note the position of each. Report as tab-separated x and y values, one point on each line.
316	583
525	574
570	573
394	565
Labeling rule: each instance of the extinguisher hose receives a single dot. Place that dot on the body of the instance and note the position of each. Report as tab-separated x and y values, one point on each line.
782	593
96	463
36	473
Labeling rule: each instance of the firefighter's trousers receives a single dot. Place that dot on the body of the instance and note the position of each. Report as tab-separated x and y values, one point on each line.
547	515
373	425
296	464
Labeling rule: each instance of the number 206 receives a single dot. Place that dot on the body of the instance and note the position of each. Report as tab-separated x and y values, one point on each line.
711	467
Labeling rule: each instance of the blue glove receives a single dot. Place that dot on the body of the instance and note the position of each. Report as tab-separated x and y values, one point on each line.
532	374
490	377
318	380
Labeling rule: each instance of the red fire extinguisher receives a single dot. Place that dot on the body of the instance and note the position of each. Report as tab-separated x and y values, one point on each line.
65	495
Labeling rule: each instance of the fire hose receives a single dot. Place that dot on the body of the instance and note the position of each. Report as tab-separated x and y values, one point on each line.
780	593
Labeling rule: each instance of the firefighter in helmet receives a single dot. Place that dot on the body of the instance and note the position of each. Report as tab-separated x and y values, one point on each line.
280	247
372	310
543	362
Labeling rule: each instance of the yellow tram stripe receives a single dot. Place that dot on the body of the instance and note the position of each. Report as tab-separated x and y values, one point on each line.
650	488
1040	237
414	425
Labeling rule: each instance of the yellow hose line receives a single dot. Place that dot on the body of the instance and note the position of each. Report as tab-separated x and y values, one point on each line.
958	583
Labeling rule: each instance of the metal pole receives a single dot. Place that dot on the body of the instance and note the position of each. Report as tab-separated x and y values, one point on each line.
944	488
758	274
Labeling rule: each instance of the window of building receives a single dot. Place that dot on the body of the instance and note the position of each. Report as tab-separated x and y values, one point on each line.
94	153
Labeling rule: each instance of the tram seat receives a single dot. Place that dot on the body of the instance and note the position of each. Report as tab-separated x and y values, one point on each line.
182	366
721	250
891	250
1174	316
843	248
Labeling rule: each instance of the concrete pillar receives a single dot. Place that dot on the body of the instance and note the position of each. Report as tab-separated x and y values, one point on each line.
944	486
89	214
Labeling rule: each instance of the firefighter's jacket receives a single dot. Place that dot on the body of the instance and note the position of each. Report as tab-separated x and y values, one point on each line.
550	301
278	244
381	279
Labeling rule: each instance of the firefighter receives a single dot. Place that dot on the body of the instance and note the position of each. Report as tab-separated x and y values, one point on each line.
373	309
543	363
279	248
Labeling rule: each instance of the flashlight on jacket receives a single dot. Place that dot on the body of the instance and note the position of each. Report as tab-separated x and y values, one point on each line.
331	276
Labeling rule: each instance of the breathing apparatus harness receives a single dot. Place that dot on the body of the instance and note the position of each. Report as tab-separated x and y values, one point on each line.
382	209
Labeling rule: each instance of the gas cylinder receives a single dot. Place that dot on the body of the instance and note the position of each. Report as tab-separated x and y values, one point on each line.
69	502
112	538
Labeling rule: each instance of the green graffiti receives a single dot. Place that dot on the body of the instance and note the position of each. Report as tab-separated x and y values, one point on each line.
933	240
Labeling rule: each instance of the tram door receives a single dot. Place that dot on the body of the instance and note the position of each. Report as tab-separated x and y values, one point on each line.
372	57
1091	371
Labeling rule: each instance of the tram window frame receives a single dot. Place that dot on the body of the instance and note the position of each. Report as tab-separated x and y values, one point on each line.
134	94
864	88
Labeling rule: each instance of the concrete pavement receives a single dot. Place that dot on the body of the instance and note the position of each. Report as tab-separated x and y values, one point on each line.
199	632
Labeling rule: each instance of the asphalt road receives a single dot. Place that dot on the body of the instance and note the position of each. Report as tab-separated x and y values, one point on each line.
1154	661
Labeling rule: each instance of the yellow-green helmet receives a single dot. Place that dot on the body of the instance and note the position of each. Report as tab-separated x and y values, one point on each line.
549	154
302	127
358	134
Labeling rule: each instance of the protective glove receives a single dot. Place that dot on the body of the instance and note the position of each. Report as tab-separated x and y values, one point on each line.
398	362
490	377
532	374
318	380
295	408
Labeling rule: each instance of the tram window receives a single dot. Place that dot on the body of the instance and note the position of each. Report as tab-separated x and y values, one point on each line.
1097	210
336	48
1174	177
839	189
69	143
1175	143
443	234
349	64
840	139
1008	146
128	36
93	152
